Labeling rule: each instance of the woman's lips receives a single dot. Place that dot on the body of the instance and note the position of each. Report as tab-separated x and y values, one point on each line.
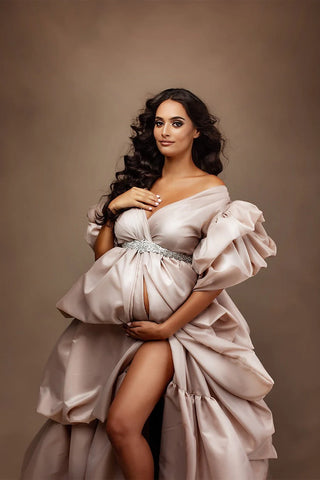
166	143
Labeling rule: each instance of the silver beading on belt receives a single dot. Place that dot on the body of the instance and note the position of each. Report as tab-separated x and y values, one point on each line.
148	246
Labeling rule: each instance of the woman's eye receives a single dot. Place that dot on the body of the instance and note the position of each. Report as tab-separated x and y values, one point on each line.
176	124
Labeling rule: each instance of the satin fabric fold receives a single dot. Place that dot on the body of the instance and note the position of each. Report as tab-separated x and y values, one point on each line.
215	421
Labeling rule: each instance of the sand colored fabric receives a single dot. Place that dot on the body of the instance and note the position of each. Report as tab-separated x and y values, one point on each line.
215	423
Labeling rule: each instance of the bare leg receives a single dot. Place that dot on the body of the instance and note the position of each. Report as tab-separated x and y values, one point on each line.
146	380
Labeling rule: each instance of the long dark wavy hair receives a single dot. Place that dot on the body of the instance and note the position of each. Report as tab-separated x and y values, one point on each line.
143	164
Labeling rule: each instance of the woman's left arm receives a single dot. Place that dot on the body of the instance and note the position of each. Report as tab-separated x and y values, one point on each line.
195	304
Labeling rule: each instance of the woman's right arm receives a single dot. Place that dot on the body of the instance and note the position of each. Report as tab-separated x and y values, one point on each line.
104	241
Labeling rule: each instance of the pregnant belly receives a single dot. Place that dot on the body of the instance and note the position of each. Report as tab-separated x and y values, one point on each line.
164	288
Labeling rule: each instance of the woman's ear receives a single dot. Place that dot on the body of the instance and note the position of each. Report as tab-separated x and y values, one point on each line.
196	134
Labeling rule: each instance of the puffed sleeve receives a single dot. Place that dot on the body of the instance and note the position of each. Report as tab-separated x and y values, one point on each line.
93	228
234	247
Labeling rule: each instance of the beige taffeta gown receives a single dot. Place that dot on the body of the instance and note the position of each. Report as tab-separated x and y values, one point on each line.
215	423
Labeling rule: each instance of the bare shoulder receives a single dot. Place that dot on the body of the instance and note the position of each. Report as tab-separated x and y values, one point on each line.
212	181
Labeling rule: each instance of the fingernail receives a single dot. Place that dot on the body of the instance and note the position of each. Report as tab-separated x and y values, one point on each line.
158	195
150	208
129	323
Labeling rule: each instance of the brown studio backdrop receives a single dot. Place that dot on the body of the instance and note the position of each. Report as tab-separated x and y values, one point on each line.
74	76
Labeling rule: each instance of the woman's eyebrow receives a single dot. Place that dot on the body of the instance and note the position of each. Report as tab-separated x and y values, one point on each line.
172	118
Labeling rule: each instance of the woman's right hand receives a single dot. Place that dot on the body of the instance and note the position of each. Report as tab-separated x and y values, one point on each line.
135	197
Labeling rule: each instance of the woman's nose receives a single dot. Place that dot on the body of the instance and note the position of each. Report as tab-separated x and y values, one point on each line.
165	129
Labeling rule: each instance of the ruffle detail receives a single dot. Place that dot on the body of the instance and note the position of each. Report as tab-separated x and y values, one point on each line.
203	416
234	247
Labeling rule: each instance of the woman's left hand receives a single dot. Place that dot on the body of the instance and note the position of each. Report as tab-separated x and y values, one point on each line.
145	330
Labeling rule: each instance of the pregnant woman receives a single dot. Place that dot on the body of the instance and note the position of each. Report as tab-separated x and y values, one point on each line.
154	335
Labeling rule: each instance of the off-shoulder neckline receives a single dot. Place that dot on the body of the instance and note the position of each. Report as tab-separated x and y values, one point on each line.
183	200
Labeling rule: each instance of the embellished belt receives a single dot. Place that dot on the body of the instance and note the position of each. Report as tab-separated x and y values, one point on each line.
148	246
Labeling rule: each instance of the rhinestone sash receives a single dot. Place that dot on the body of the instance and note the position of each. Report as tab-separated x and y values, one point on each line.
148	246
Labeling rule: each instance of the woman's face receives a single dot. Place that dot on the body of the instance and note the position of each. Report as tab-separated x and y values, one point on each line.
173	129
